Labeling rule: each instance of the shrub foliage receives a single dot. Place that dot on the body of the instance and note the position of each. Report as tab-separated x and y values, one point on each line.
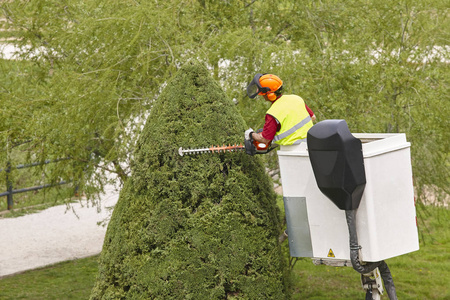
193	227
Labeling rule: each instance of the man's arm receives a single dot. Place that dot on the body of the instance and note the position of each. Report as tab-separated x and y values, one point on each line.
269	130
310	112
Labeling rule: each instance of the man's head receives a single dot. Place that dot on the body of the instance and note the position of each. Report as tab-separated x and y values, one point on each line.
267	85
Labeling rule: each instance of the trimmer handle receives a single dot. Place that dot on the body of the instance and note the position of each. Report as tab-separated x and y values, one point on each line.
253	147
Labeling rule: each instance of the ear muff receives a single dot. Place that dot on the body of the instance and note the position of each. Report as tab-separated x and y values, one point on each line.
271	96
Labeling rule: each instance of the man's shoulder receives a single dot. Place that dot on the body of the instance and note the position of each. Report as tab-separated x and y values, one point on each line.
292	97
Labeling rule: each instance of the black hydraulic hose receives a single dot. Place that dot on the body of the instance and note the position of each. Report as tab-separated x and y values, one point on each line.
354	246
369	267
387	280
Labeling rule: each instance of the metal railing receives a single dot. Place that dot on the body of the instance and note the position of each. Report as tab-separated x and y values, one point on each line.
9	185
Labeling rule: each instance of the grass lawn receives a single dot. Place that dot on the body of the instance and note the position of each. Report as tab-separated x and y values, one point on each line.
424	274
67	280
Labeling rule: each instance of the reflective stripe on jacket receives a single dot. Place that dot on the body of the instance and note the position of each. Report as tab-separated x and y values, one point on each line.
295	121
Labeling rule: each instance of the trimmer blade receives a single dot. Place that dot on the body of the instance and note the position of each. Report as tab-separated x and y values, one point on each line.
212	149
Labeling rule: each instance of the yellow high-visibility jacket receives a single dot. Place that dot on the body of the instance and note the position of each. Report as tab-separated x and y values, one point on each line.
294	119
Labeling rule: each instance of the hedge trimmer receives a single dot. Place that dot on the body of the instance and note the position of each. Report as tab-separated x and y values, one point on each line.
212	149
250	146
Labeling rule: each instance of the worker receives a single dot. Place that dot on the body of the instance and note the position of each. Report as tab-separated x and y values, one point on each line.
288	119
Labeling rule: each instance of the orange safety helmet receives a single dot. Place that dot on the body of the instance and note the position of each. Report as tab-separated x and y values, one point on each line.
265	84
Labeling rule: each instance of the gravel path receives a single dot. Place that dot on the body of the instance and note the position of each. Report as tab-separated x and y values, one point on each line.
53	235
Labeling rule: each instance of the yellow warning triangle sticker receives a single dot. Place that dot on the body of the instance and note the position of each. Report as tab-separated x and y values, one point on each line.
330	253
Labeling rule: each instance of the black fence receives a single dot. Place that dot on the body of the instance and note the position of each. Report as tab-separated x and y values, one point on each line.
9	185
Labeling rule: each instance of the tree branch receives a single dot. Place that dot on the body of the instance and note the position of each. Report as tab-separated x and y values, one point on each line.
247	5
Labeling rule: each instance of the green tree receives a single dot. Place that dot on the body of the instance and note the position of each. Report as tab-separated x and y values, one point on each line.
87	92
105	62
193	227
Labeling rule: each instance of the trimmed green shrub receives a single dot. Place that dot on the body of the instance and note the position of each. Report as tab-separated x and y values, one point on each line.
193	227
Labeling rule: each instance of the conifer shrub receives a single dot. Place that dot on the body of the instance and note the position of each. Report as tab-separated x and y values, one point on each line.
193	227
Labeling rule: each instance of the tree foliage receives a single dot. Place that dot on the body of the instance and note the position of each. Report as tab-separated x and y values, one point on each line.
193	227
96	67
